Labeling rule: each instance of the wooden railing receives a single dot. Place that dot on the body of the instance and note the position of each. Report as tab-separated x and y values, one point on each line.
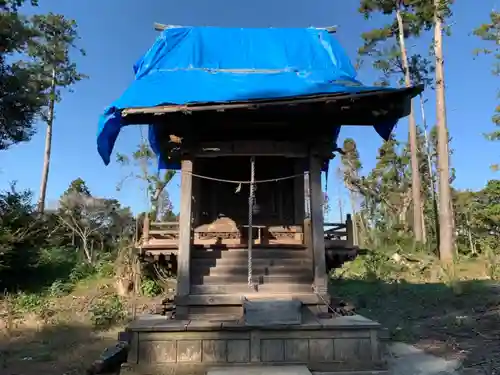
335	233
340	231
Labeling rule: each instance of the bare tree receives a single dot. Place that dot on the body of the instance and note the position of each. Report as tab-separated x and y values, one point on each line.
86	216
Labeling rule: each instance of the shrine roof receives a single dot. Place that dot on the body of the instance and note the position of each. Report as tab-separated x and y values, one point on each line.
202	69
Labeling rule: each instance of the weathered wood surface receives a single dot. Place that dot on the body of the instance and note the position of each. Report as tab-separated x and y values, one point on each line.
165	235
272	312
252	148
318	239
184	256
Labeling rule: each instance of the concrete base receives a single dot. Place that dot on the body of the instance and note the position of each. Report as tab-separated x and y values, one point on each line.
347	344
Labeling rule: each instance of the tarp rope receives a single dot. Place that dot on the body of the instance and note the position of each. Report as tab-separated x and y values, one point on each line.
243	182
251	203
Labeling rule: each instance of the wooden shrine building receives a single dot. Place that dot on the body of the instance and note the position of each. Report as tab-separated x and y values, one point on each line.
252	281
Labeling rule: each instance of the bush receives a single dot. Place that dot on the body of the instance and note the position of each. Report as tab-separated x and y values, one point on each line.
107	312
59	288
150	288
30	302
82	271
105	268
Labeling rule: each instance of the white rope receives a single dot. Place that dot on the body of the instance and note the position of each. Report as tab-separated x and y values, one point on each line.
238	182
251	202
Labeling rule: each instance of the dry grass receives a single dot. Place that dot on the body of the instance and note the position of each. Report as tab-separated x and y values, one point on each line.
58	339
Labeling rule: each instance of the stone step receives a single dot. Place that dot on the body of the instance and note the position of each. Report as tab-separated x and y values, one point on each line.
244	289
242	269
216	301
302	278
256	262
261	370
256	254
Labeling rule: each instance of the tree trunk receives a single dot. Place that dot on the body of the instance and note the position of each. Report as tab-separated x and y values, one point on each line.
86	251
432	177
415	170
472	246
48	145
445	219
354	218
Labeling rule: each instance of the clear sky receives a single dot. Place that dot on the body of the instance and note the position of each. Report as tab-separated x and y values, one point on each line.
115	33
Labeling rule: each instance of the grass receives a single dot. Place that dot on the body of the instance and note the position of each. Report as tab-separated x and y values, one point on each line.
63	334
451	311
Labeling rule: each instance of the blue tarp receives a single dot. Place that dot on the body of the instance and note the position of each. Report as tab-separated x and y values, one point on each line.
210	64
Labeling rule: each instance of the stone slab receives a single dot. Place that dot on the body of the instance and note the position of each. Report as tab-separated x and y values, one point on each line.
262	313
260	370
266	319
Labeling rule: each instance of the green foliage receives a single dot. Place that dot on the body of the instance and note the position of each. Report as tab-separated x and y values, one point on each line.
34	63
30	302
107	312
143	166
21	100
150	288
77	186
93	220
82	271
21	236
104	268
54	41
383	195
60	288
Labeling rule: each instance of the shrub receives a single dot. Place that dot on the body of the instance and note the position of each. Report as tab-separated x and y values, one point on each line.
82	271
107	312
150	288
105	268
30	302
59	288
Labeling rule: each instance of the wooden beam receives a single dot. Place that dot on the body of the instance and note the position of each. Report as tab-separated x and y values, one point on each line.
329	29
184	254
255	148
318	236
161	26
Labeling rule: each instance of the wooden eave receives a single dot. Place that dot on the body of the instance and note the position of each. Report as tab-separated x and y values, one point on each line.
323	102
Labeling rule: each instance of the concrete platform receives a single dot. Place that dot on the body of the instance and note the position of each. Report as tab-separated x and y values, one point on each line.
347	344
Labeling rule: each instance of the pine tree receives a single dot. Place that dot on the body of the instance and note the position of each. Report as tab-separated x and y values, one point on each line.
21	99
351	171
408	20
55	38
446	247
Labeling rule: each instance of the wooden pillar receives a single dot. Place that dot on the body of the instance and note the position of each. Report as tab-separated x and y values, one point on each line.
318	237
349	231
298	193
184	254
196	193
307	214
145	228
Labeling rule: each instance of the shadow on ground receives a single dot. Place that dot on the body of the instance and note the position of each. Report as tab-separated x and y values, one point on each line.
58	349
452	321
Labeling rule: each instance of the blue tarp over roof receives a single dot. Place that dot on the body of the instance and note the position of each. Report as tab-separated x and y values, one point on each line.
209	64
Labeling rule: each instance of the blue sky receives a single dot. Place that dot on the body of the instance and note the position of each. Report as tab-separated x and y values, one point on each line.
115	33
